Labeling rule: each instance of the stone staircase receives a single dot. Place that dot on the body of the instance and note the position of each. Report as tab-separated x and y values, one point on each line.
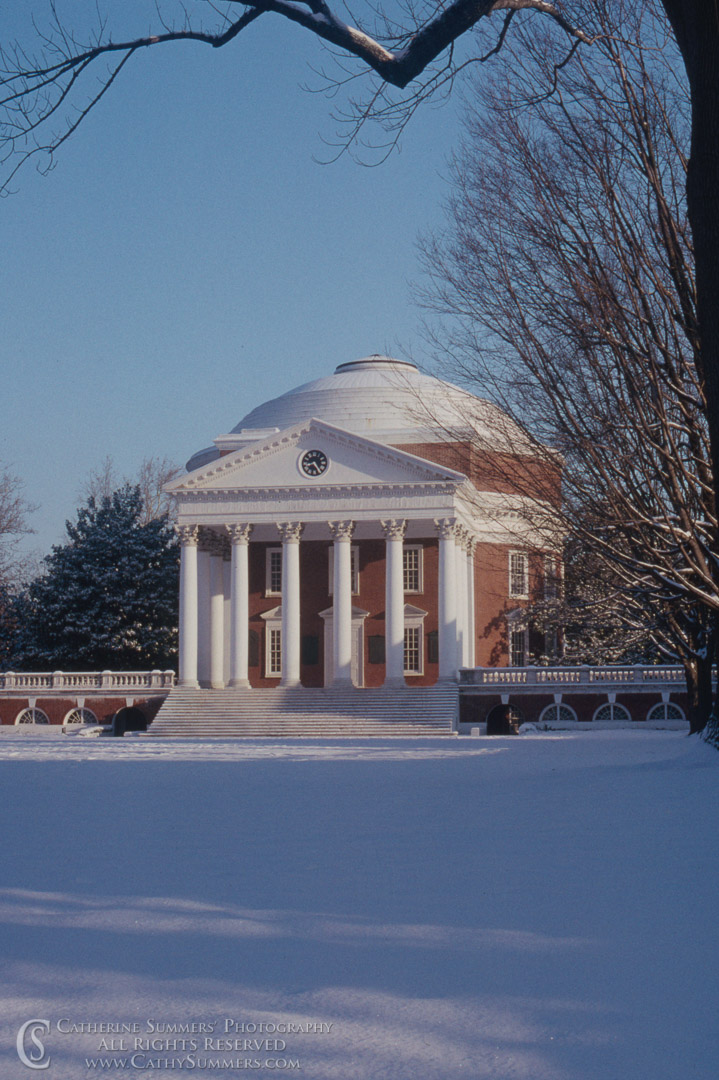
301	712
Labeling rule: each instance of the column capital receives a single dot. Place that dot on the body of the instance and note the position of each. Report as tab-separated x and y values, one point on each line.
446	528
341	530
394	528
290	531
188	535
239	532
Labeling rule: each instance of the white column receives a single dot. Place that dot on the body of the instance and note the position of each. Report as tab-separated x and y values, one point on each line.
394	602
188	605
290	532
471	613
203	608
447	600
239	604
461	584
217	616
342	602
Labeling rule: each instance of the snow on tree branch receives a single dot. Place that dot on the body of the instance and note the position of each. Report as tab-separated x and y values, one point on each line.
41	93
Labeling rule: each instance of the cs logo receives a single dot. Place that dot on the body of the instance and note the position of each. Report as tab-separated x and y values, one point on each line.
36	1058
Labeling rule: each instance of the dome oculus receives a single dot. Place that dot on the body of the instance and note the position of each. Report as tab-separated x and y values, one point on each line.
314	463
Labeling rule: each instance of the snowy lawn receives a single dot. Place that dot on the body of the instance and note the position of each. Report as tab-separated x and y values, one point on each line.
537	907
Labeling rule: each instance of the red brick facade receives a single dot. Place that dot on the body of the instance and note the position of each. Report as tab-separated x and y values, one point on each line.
57	708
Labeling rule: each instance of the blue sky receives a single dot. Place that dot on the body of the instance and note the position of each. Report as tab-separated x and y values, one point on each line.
188	258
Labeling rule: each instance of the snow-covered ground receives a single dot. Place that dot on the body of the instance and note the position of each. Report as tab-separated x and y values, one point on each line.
537	907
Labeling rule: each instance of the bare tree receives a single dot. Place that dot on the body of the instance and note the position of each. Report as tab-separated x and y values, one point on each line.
152	475
567	270
14	511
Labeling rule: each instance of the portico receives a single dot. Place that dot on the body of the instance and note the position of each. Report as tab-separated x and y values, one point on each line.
223	614
368	497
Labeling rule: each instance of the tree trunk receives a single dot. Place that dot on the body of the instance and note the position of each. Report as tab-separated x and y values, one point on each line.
696	26
698	675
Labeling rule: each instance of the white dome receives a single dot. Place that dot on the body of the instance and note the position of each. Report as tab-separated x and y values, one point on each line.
387	400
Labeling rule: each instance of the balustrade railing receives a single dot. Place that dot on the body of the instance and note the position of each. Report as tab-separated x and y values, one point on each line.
639	676
113	681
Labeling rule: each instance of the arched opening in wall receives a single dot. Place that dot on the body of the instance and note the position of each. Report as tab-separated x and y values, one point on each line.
665	710
504	720
558	714
613	713
129	719
32	716
80	716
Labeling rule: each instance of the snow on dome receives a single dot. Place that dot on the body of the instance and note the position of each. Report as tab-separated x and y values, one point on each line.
384	399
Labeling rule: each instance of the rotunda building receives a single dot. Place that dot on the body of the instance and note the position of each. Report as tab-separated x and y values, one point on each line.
375	527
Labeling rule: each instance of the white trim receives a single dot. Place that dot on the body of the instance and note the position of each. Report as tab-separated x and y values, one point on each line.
419	548
524	555
663	705
358	639
269	552
552	578
613	708
513	628
273	623
84	713
555	710
34	712
414	620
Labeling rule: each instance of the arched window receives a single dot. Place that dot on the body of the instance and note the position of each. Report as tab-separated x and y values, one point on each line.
562	714
80	716
665	710
32	716
612	712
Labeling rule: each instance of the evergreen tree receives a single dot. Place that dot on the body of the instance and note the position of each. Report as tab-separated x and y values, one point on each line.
108	597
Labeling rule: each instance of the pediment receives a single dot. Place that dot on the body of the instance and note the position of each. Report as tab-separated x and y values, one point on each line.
277	462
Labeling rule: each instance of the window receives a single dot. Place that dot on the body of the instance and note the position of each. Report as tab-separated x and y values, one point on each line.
412	567
558	714
519	574
274	651
612	713
355	569
518	646
551	578
551	643
273	572
665	710
80	716
32	716
413	650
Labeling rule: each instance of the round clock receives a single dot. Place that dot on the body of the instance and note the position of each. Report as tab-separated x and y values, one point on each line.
314	463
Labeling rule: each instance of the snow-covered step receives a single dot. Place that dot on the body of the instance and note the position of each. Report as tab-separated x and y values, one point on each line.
303	712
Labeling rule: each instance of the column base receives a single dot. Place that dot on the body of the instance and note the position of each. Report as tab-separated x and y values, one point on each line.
289	684
395	682
189	684
217	686
343	682
239	684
